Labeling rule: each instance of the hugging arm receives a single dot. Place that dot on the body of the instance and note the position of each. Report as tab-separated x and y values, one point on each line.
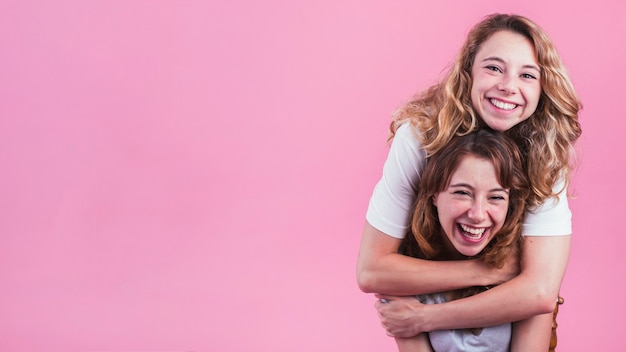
419	343
380	269
532	293
532	334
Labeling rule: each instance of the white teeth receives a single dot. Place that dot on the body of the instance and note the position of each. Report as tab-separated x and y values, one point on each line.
502	105
473	231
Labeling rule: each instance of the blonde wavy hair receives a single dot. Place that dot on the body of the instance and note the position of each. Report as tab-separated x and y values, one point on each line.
427	238
546	139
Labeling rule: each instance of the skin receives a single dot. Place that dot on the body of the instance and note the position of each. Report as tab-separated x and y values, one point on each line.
506	80
529	296
419	343
474	201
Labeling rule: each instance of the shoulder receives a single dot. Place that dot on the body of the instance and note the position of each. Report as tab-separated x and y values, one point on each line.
408	134
406	144
551	218
391	204
406	156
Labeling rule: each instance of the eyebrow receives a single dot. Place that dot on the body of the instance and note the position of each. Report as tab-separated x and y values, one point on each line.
495	58
465	185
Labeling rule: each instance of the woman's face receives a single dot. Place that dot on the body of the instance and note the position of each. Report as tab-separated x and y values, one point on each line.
506	82
473	207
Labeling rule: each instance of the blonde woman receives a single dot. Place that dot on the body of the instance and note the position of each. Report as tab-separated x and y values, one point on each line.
509	77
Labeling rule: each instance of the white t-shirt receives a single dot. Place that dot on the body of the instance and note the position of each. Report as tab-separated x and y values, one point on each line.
391	204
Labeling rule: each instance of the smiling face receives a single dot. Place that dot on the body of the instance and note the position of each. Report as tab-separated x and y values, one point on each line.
472	208
506	83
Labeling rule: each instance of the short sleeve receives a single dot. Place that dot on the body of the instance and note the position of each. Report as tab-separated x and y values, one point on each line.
552	218
391	204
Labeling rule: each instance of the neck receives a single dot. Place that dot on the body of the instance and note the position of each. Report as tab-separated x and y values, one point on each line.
450	253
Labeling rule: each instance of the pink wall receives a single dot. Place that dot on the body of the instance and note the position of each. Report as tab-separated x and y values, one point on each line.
193	176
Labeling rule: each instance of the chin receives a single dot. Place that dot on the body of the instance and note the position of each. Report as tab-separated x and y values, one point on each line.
500	126
473	252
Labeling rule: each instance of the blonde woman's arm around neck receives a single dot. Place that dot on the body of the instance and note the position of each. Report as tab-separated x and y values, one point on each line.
380	269
532	293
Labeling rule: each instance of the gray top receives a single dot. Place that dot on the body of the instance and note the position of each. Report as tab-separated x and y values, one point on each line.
490	339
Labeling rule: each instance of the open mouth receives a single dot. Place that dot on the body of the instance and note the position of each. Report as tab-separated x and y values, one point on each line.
472	233
502	105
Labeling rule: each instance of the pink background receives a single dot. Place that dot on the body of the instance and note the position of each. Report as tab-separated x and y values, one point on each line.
193	176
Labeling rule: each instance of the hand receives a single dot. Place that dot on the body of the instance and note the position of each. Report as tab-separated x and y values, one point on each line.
401	316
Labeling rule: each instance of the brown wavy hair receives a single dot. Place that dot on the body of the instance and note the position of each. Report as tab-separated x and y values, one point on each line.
427	239
545	139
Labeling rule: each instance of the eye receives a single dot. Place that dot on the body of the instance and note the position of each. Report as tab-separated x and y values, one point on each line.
493	68
461	193
497	198
528	76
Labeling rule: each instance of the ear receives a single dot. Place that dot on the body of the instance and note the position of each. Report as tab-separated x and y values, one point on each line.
434	198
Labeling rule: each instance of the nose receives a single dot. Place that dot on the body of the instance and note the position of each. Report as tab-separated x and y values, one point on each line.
508	85
478	211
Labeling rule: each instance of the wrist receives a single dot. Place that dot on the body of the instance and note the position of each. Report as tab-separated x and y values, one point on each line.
481	274
431	313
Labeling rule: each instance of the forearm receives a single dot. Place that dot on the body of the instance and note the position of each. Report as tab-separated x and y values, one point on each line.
496	306
533	292
380	269
419	343
532	334
400	275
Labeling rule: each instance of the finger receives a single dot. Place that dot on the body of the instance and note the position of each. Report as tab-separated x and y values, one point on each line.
384	298
387	331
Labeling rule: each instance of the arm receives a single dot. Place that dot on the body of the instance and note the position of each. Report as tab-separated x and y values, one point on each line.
532	334
381	269
533	292
419	343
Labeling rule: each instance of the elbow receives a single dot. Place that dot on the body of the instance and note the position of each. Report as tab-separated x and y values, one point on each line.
546	304
545	301
540	295
366	280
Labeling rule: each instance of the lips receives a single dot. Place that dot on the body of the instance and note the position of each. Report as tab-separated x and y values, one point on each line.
502	105
473	234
